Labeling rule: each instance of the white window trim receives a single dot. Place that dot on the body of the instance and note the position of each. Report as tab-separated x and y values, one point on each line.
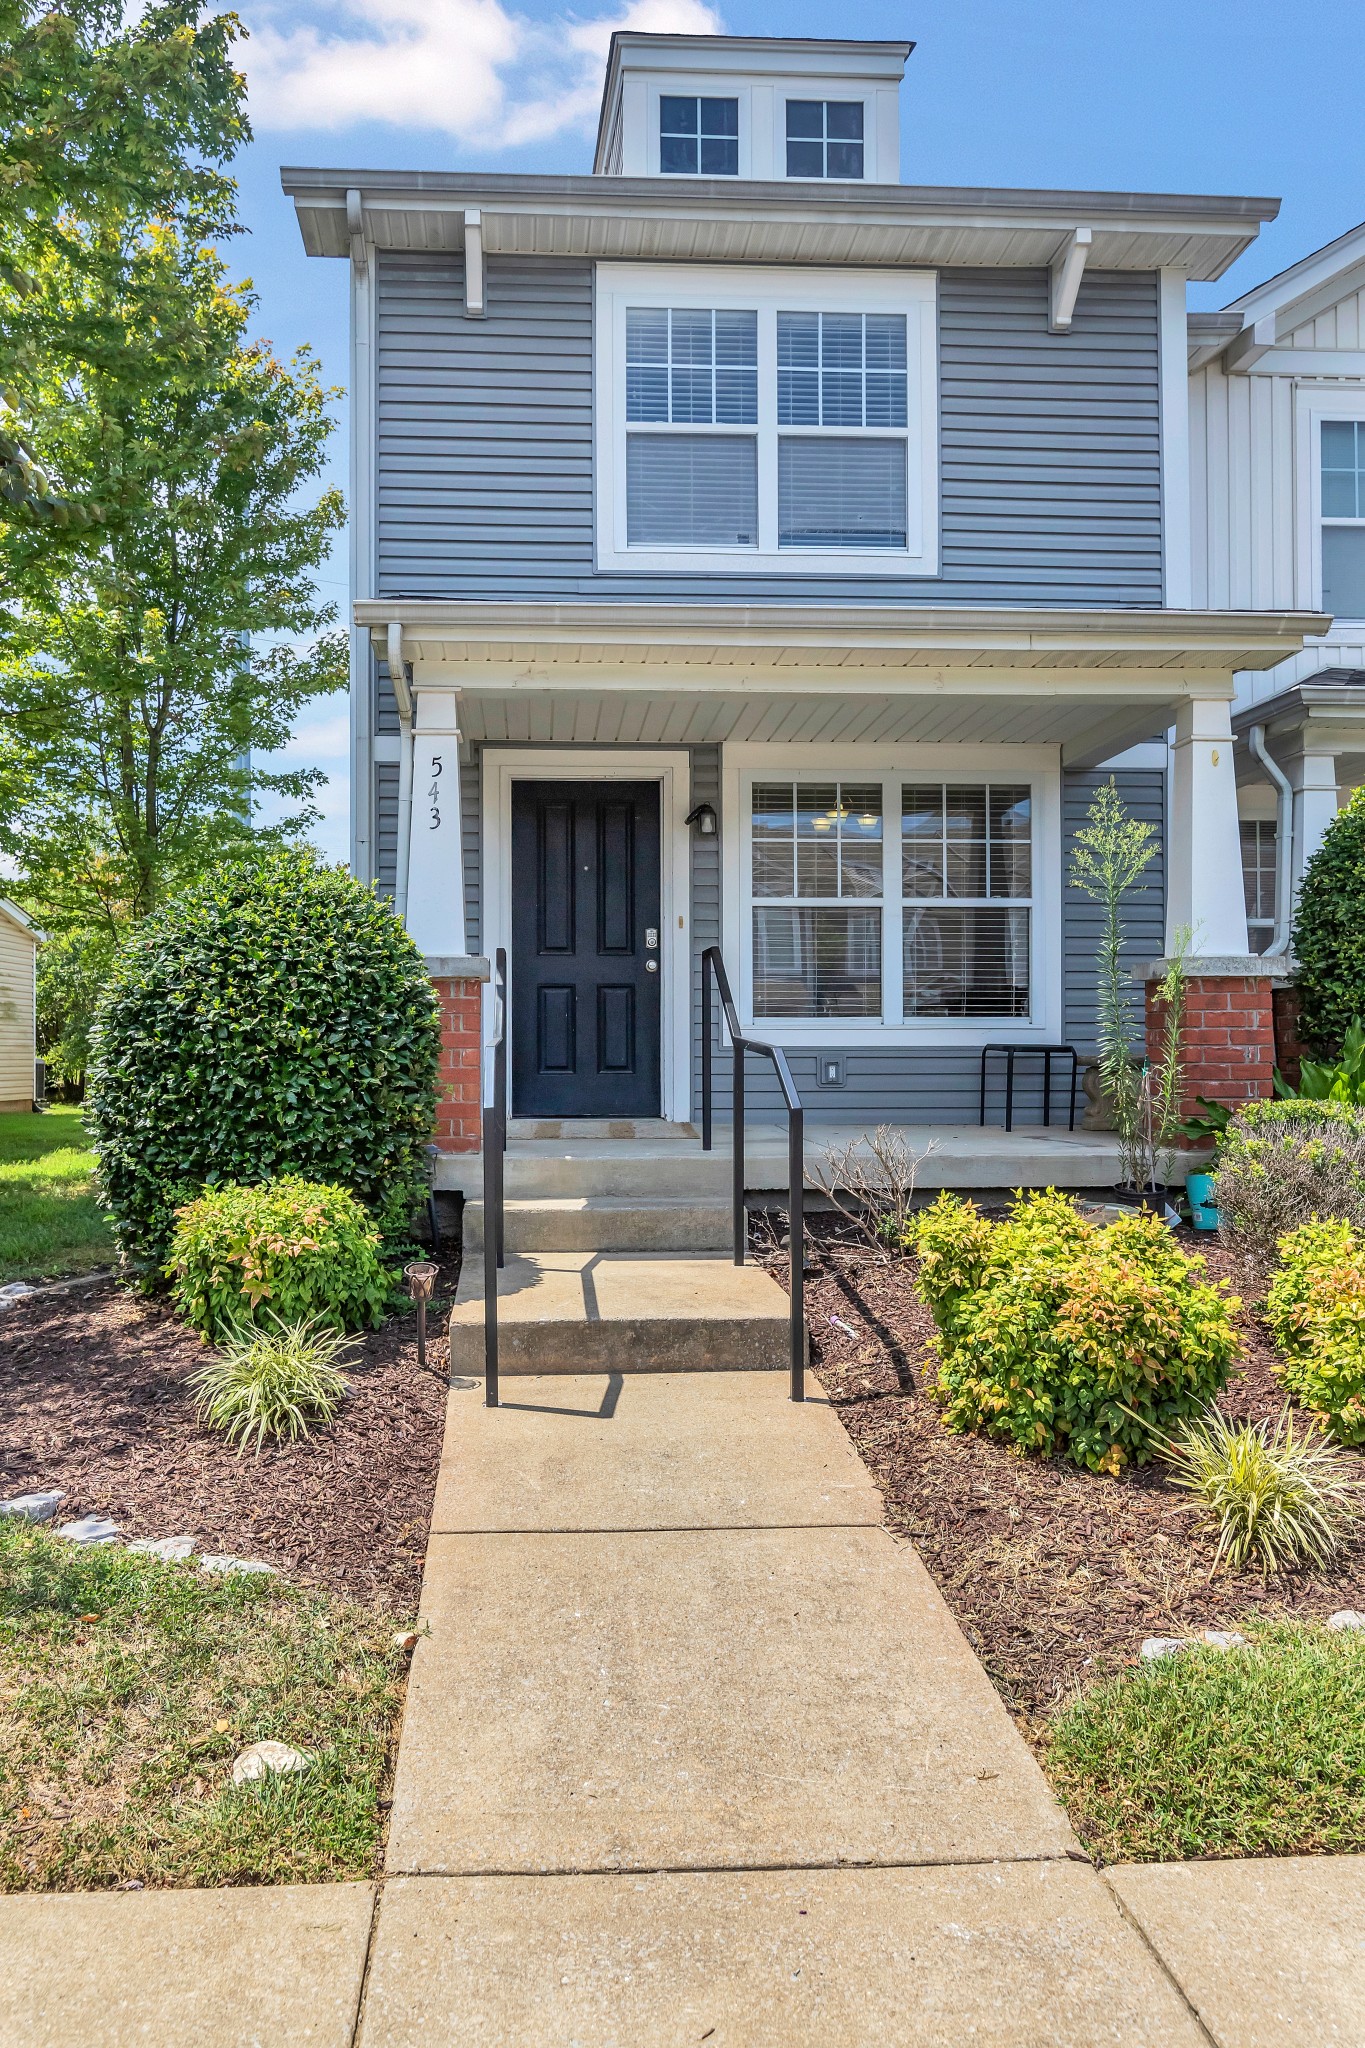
768	292
501	767
743	764
1313	405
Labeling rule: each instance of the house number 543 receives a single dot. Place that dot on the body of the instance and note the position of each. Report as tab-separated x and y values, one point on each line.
434	793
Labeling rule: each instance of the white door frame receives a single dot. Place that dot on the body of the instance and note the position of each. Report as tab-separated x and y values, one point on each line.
672	770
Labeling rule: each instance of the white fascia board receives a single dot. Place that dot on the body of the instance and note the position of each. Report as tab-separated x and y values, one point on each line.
1322	267
1307	363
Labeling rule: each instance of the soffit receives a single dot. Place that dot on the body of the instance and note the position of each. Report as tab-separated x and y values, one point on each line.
648	219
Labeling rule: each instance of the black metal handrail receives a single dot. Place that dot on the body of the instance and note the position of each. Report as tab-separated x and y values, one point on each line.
713	970
494	1146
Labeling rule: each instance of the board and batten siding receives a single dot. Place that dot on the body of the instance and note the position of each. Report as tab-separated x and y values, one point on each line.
1050	444
18	955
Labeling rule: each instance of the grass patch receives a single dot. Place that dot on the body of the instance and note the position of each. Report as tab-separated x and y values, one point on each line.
50	1219
127	1688
1244	1752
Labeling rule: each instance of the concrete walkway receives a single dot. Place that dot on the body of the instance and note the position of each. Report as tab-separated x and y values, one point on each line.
694	1752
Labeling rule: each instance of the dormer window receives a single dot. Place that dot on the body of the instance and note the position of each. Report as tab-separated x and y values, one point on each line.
699	137
824	138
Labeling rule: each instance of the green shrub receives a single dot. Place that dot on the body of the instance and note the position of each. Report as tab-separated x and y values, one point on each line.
1274	1497
293	1248
1338	1080
1060	1336
276	1019
1316	1311
1281	1163
1329	930
278	1382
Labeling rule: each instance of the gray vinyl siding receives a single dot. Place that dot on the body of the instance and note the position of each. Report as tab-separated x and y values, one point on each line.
1050	444
1143	791
386	826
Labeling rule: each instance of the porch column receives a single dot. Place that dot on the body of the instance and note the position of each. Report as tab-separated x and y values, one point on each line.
435	915
1313	778
1204	891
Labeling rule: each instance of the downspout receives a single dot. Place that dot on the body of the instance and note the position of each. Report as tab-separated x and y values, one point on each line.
398	682
1284	843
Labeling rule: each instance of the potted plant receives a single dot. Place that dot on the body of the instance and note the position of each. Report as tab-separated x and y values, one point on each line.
1206	1127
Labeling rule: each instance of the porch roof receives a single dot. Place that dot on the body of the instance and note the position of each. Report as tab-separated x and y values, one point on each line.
1091	682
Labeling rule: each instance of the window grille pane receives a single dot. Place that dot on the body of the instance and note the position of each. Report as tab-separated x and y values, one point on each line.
824	138
922	839
774	874
1343	571
679	153
841	494
844	160
671	366
1258	868
861	360
817	963
773	809
844	118
805	118
691	490
966	840
966	962
1011	862
1343	469
720	117
719	158
833	831
678	116
699	135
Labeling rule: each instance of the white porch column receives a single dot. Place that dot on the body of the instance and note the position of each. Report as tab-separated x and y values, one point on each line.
1313	779
435	858
1204	862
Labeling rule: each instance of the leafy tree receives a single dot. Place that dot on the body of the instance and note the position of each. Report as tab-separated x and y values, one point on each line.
72	970
1329	930
129	694
106	124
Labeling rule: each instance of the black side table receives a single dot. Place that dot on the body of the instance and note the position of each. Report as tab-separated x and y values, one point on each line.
1010	1053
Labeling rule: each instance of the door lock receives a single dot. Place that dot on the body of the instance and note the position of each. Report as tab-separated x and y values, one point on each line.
651	938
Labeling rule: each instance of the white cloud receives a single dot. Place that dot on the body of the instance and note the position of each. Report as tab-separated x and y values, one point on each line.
468	68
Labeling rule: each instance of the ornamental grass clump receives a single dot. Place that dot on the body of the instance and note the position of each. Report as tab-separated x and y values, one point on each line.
281	1382
290	1251
1276	1495
1315	1307
1062	1337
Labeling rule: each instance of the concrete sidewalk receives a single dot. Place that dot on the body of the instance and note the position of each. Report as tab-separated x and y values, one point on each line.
695	1752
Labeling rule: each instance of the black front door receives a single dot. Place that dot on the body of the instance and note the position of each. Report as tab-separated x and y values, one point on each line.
586	953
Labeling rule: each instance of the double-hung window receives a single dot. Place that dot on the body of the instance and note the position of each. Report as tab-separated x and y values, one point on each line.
895	899
824	138
1259	865
1343	518
776	420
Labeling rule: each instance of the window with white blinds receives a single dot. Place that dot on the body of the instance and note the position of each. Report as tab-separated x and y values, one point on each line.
742	414
885	899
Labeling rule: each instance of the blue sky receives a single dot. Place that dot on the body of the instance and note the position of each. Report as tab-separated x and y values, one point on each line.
1248	96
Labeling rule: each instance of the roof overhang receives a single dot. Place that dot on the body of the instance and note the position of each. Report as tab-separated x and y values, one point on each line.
1088	683
13	915
1314	715
709	220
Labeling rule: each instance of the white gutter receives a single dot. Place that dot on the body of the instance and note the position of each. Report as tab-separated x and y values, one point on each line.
1284	842
403	698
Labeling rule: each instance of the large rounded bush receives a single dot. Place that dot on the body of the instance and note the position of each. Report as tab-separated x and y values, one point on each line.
1282	1163
1329	930
276	1019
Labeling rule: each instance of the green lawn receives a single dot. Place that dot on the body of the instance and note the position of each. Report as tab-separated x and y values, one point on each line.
50	1221
1257	1751
128	1687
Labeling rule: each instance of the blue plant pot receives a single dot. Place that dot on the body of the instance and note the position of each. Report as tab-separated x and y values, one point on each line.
1199	1193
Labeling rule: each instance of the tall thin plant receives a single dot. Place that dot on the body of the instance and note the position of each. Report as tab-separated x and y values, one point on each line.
1112	850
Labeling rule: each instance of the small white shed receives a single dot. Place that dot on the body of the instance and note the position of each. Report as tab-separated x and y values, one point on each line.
19	943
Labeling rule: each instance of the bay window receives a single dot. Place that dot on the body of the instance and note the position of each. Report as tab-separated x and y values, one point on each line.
895	898
776	419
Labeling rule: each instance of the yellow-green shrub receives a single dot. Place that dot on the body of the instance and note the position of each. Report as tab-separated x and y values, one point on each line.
297	1249
1061	1336
1316	1311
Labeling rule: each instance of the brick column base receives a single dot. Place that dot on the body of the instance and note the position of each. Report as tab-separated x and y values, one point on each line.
459	1113
1229	1034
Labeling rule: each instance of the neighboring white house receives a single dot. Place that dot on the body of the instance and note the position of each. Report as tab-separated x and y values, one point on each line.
1277	448
19	943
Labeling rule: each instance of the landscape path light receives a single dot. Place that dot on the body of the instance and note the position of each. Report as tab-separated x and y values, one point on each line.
421	1279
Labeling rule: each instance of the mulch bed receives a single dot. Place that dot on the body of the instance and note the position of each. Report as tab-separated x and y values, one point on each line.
1054	1573
93	1399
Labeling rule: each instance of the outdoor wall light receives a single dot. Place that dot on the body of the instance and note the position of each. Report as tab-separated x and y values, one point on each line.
704	818
421	1279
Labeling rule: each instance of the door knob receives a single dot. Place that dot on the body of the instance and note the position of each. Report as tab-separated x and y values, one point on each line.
651	967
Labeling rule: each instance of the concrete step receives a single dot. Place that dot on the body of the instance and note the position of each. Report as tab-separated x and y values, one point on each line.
606	1223
576	1312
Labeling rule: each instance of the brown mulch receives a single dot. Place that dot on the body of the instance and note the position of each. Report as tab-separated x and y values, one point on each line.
93	1399
1054	1573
